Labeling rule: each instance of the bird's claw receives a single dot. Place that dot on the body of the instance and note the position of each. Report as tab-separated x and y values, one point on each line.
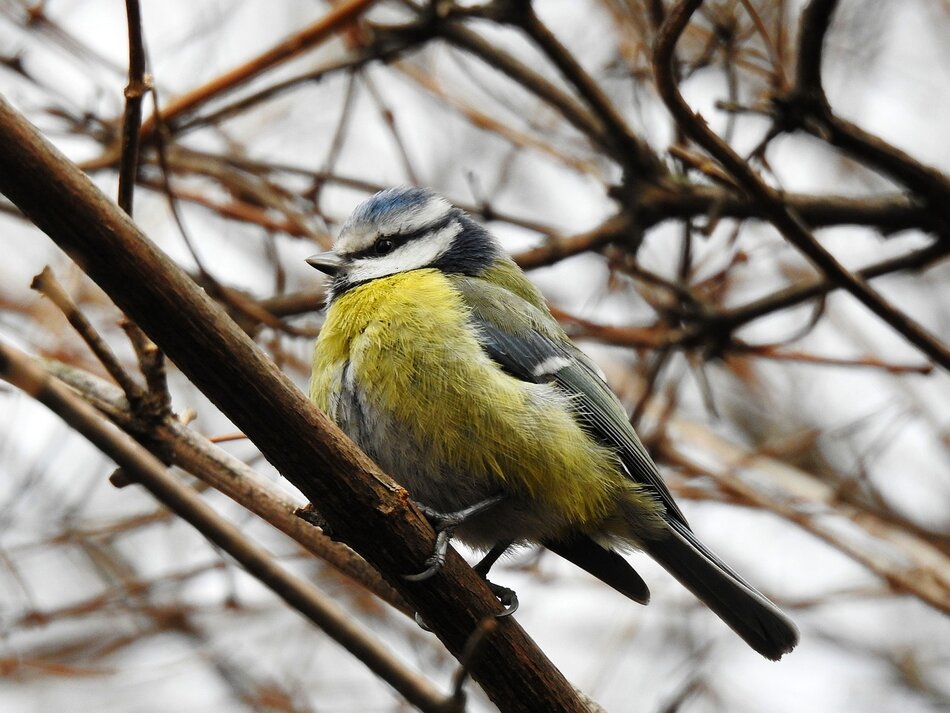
507	596
444	524
433	564
436	560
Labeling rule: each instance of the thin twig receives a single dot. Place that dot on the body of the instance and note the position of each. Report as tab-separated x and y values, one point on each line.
47	284
787	222
566	105
19	370
339	16
629	149
389	118
908	564
132	118
169	438
796	294
232	297
769	352
152	365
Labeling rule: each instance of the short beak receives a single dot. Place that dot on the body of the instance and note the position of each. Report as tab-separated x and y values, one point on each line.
328	262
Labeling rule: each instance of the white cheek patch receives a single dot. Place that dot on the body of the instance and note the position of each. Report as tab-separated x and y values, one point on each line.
413	255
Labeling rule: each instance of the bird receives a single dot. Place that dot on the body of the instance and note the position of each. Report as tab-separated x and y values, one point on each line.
440	359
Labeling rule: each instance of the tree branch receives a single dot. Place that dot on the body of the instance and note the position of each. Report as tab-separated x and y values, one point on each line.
908	563
629	149
20	371
787	222
132	119
341	14
807	107
565	104
365	508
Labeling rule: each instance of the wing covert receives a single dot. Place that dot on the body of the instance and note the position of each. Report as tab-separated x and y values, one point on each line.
529	345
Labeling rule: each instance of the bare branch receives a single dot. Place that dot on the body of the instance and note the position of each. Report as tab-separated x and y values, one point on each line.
908	563
170	438
629	149
17	368
788	223
132	119
340	15
365	508
47	284
807	107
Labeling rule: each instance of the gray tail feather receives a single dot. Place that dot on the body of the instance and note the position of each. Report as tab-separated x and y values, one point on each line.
750	614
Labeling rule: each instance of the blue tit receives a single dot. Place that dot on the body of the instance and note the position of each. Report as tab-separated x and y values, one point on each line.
440	359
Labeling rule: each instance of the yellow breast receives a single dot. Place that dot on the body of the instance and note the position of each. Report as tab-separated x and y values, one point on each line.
406	344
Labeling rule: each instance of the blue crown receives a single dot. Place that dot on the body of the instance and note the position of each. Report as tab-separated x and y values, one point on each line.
386	205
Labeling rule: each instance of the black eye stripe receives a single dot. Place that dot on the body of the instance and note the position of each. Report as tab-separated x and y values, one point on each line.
400	239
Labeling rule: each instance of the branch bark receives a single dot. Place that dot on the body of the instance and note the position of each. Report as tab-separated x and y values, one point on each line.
365	508
147	470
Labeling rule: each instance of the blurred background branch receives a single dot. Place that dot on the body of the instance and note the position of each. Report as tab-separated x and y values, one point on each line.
709	258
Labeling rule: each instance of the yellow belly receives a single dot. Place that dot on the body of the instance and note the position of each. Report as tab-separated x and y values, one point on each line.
399	356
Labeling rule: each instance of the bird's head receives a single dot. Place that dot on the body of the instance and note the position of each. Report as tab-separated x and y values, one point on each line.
405	229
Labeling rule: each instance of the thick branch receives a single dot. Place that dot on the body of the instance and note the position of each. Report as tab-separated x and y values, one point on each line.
365	508
146	469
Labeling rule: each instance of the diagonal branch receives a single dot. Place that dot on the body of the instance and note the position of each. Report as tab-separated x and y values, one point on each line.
171	440
363	506
908	563
147	470
736	317
630	150
807	107
340	15
788	223
575	114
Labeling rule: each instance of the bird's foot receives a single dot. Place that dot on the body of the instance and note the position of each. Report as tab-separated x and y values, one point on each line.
444	524
508	598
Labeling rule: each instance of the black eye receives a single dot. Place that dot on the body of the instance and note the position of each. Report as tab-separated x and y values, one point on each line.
383	246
